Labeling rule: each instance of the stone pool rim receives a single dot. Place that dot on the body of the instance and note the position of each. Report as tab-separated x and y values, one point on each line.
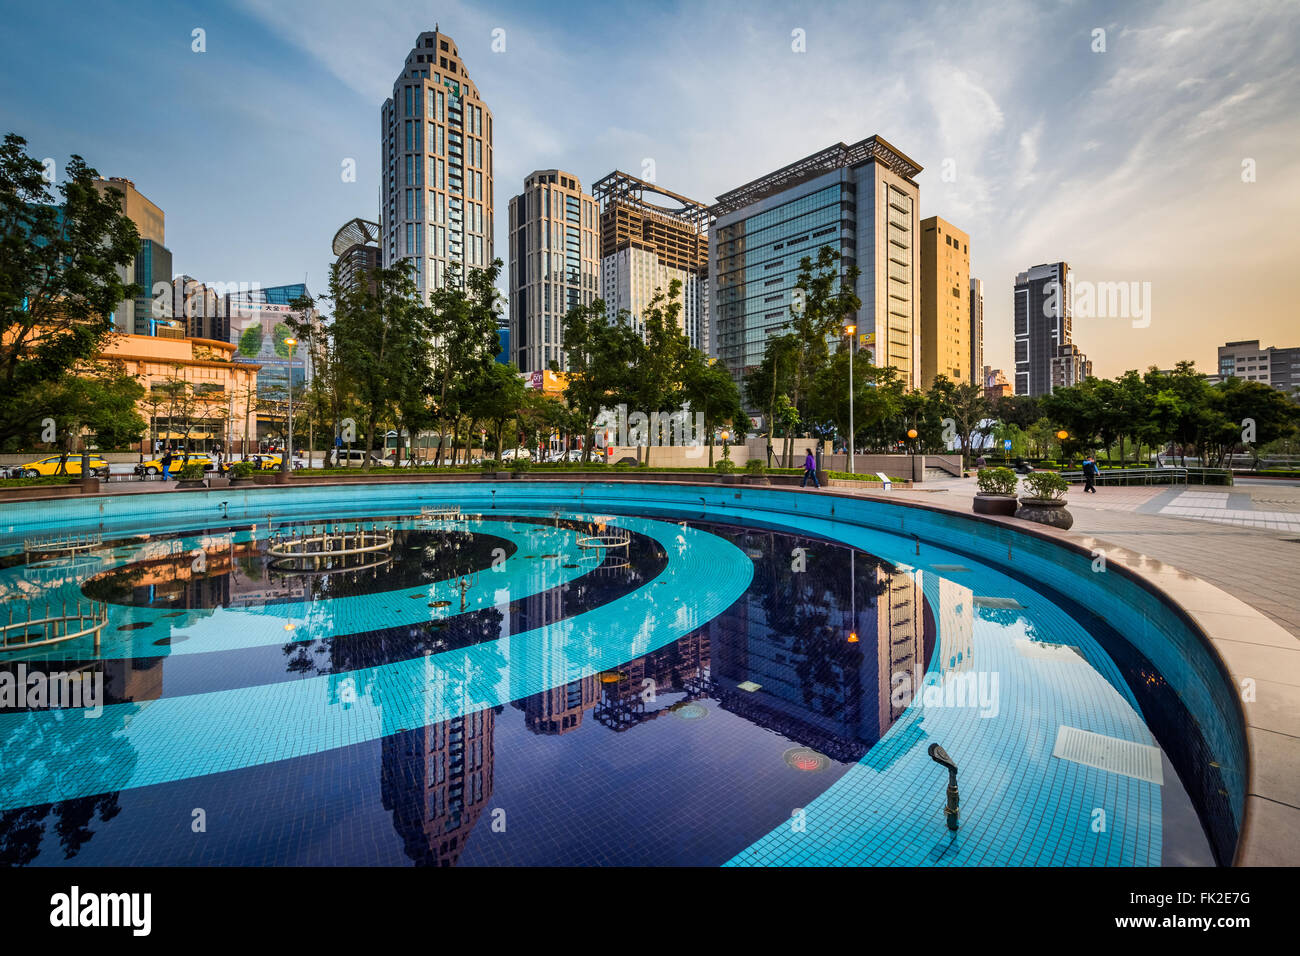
1268	834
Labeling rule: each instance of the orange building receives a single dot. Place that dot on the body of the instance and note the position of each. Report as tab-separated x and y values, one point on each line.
195	392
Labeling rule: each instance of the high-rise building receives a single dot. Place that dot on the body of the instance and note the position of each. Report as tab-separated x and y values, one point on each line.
436	164
1279	367
862	201
356	251
150	312
977	331
995	383
199	309
553	264
945	302
645	245
259	325
1046	357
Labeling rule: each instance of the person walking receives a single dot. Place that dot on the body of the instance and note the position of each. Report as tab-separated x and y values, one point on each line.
167	460
809	470
1090	472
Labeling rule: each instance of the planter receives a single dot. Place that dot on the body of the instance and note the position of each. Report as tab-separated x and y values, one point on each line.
1050	511
239	482
728	479
757	480
89	486
264	479
986	504
191	483
515	474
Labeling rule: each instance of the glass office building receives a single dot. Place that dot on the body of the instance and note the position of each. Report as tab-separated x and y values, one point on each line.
862	201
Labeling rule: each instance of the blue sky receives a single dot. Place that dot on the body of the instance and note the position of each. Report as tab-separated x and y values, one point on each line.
1126	163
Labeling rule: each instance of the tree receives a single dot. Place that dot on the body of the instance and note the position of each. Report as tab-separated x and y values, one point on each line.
59	277
602	358
100	400
710	390
496	397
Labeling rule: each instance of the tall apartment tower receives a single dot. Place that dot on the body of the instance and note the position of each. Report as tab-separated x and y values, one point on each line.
976	332
860	200
199	310
554	264
436	162
645	245
356	253
1046	357
945	302
149	312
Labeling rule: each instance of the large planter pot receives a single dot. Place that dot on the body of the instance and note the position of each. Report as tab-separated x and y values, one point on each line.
986	504
757	480
240	482
727	479
1049	511
192	483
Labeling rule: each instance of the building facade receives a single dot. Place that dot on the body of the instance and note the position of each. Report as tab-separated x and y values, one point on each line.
1278	367
152	267
1046	356
356	252
995	383
436	165
976	331
862	201
945	302
646	245
553	265
217	403
199	309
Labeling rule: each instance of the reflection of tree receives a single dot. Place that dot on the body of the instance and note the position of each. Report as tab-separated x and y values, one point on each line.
1008	617
33	747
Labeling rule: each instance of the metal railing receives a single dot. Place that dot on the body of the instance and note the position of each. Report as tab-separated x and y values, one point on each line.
38	626
1167	475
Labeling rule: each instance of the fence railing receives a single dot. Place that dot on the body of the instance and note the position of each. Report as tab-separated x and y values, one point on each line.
1156	476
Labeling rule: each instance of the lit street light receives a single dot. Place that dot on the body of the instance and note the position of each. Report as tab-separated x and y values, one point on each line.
851	331
288	448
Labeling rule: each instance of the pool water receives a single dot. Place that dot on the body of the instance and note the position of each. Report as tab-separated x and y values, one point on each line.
564	687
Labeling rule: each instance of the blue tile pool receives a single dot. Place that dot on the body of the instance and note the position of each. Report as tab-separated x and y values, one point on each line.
609	673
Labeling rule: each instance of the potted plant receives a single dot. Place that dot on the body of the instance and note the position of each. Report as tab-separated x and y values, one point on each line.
756	472
241	473
519	466
191	476
726	469
490	467
1045	502
997	492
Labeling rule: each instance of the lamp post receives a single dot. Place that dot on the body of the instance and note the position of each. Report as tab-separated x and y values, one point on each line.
911	434
1061	436
851	331
288	447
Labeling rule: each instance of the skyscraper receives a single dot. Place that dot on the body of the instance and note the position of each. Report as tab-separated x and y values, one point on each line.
976	332
645	244
553	264
945	302
152	268
1046	357
860	200
356	251
437	167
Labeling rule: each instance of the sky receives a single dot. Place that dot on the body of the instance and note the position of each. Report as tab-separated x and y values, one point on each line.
1148	143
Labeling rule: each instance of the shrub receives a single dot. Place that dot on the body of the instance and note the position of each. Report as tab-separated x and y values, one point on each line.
192	472
755	466
724	466
997	481
241	469
1046	484
521	463
490	464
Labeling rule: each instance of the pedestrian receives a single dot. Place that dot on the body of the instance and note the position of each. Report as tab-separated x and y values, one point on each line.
166	462
981	462
809	470
1090	472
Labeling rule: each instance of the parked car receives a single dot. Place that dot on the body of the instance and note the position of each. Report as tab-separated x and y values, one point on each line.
44	467
510	454
355	458
179	461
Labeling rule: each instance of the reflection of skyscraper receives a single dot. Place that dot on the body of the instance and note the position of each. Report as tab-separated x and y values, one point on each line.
900	645
436	780
632	694
560	709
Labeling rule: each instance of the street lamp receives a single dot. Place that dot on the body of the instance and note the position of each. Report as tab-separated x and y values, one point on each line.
911	434
1061	436
288	448
851	331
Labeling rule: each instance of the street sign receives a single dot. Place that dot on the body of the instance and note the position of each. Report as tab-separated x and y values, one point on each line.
1006	444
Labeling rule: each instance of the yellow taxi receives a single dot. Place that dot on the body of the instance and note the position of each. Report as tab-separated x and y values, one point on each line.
179	461
44	467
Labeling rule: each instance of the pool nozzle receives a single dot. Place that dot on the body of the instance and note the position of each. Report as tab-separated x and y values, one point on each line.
940	756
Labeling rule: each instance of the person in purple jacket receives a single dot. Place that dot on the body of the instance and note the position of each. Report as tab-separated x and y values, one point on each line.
809	470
